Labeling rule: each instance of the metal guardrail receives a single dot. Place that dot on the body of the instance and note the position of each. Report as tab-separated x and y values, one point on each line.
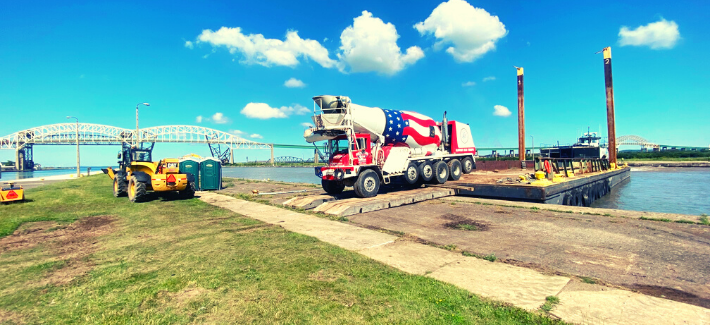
567	165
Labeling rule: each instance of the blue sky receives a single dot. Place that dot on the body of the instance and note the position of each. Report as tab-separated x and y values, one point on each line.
96	60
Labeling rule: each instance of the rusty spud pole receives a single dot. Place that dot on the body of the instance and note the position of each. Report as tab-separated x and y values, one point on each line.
610	116
521	116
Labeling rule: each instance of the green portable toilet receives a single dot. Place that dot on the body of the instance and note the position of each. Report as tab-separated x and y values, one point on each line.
210	174
192	166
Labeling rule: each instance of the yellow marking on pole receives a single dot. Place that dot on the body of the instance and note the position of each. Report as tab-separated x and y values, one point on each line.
607	52
520	71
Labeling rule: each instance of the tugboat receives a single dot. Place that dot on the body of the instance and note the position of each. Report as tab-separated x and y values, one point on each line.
588	146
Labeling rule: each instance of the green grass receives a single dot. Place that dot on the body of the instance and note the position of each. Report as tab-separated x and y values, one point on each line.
704	219
184	261
655	219
466	227
587	280
550	302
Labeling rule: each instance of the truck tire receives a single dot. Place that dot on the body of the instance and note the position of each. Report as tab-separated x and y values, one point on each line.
411	174
136	190
189	191
332	187
367	184
119	186
467	165
426	172
454	169
441	172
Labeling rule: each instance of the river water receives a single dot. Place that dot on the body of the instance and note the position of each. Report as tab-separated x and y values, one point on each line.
10	176
672	190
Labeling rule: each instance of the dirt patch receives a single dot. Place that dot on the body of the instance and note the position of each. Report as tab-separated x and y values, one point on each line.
185	296
463	223
71	243
672	294
10	317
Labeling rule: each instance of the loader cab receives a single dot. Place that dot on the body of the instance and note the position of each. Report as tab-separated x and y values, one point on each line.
129	154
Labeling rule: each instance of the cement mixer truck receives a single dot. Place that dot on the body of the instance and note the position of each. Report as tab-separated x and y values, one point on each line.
370	146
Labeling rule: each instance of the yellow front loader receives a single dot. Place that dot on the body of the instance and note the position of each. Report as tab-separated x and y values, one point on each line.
137	175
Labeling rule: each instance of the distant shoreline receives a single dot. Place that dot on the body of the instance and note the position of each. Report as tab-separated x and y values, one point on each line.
651	163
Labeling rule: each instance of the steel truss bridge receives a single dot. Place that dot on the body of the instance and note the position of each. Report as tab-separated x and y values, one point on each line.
98	134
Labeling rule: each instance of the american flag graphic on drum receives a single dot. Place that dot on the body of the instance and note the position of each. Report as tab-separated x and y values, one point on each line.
411	128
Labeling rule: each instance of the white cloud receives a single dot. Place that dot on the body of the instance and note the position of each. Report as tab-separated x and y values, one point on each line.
500	110
468	84
471	32
256	136
199	119
294	83
370	45
189	45
237	132
255	48
662	34
264	111
306	125
491	78
219	118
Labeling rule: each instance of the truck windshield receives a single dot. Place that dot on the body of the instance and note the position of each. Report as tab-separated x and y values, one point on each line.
338	146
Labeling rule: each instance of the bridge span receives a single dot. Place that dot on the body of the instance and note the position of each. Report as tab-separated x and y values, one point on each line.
97	134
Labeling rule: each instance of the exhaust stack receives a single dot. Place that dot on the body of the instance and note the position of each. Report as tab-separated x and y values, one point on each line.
521	116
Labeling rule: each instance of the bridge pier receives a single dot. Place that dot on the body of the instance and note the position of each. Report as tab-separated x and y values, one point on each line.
24	158
272	155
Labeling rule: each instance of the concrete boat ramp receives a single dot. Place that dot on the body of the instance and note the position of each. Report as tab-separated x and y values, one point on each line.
518	285
344	205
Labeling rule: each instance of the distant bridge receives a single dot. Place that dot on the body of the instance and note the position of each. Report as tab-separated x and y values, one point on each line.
98	134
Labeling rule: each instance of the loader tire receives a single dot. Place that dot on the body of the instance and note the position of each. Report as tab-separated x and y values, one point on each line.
441	172
136	190
189	191
454	169
426	172
332	187
367	184
467	165
120	186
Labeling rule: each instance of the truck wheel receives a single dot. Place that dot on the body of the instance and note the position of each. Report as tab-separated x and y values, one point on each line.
332	187
189	191
368	184
454	169
467	165
411	174
426	172
119	186
136	190
441	170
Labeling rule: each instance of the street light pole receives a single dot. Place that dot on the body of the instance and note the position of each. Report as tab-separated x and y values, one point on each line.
78	170
137	138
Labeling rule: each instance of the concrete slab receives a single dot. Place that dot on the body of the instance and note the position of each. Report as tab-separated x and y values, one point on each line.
353	206
340	234
411	257
625	307
308	202
519	286
579	210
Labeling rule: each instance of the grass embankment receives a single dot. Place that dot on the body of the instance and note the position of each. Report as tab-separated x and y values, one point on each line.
181	261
